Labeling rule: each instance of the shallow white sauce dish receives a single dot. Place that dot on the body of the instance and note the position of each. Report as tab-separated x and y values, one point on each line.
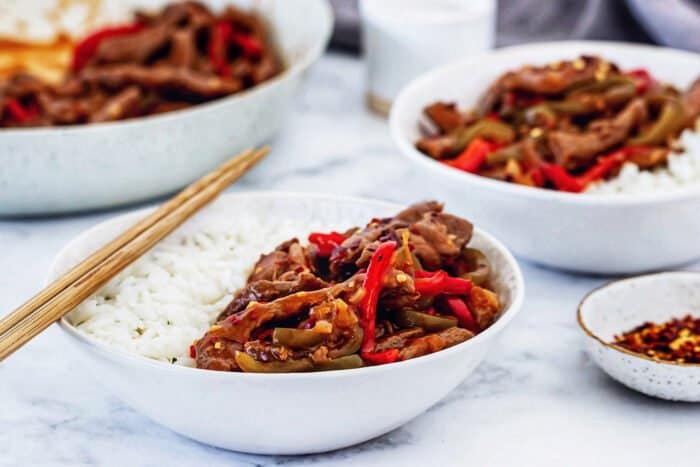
603	234
66	169
621	306
293	413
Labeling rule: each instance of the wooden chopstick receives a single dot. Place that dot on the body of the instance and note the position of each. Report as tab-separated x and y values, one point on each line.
80	282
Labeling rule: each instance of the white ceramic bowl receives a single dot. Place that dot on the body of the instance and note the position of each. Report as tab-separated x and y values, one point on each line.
288	413
51	170
623	305
580	232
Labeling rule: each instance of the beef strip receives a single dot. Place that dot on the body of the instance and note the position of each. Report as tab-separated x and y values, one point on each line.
484	305
162	77
133	48
574	150
267	291
397	340
120	106
445	115
286	261
420	346
183	49
238	327
549	80
435	237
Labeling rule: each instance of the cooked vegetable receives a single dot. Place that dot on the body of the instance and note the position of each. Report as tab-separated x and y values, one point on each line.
343	363
473	265
410	318
297	338
248	364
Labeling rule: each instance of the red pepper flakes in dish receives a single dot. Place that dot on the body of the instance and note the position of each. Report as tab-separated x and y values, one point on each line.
677	340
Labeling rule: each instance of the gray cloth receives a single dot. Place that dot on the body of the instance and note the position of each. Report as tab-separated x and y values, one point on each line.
669	22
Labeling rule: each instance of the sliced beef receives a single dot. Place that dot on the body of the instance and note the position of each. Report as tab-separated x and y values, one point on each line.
484	305
549	80
435	237
162	78
397	340
283	263
445	115
420	346
119	106
574	150
183	49
134	48
239	327
266	291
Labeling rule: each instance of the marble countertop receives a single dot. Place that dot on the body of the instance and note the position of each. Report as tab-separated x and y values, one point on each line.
536	400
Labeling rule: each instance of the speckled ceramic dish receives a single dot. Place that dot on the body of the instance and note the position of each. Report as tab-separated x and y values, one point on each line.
63	169
621	306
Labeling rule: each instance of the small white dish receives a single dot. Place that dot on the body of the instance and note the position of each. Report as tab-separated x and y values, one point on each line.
293	413
603	234
622	305
73	168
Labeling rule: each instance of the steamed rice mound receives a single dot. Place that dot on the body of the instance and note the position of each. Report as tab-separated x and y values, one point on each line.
173	294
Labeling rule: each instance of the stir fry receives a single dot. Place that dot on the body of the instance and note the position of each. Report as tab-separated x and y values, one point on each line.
182	56
397	289
562	126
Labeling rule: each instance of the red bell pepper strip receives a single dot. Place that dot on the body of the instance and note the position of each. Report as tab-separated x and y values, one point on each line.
379	264
474	156
326	242
380	358
218	47
250	46
87	47
642	78
560	178
20	113
460	309
193	351
607	163
441	283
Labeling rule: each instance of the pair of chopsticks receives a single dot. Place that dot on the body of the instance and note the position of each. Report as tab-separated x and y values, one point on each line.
68	291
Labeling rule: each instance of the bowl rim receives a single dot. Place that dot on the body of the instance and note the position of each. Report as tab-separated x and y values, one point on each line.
581	322
289	71
407	148
124	356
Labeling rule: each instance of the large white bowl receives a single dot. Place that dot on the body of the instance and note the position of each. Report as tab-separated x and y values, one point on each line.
51	170
580	232
623	305
288	413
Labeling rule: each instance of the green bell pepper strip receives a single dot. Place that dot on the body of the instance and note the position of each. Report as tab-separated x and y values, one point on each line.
412	319
297	338
343	363
250	365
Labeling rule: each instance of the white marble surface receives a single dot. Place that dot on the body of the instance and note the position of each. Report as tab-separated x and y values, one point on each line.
537	400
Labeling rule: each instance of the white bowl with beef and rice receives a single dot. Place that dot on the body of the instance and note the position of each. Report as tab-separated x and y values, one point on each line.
155	333
157	94
584	157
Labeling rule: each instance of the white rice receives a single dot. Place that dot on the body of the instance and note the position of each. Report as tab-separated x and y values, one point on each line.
172	295
682	170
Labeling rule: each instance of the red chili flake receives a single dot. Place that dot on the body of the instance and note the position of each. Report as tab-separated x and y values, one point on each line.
677	340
